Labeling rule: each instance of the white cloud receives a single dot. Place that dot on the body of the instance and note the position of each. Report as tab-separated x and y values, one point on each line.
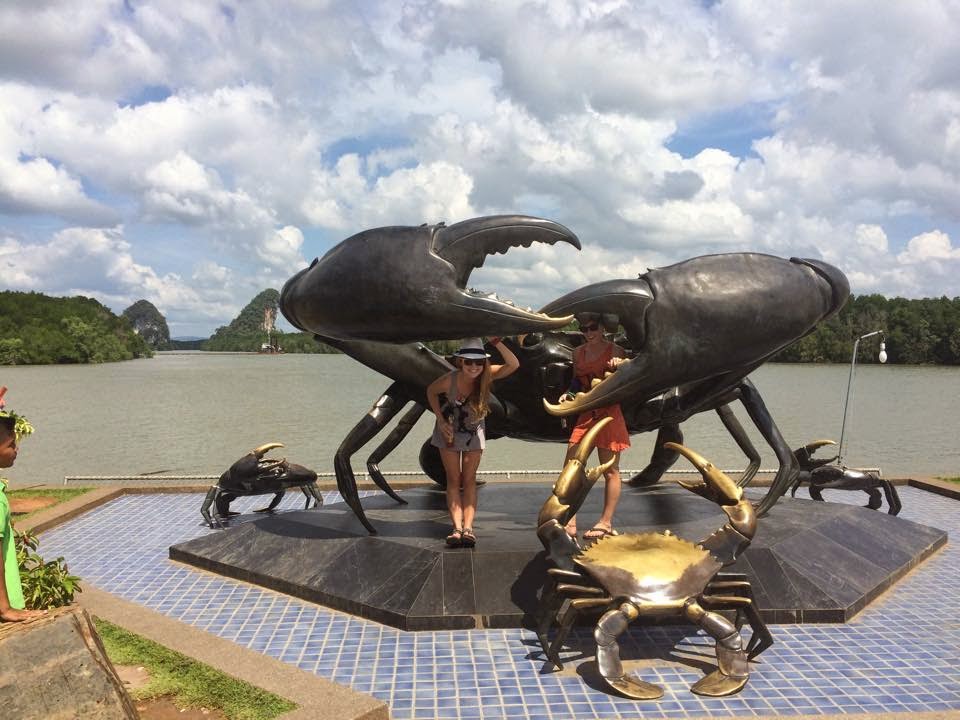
36	186
99	263
180	189
30	183
620	57
261	132
281	248
347	199
928	247
872	239
89	46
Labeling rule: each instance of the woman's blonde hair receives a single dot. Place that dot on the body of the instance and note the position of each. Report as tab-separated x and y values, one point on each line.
479	399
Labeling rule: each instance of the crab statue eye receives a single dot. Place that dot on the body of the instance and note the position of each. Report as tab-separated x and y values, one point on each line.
531	340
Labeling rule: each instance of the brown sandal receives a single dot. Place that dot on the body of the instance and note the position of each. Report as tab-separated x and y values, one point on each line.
467	538
455	539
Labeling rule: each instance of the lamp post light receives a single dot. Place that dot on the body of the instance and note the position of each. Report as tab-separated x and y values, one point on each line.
882	357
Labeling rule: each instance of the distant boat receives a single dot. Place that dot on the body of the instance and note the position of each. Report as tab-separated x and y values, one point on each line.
270	347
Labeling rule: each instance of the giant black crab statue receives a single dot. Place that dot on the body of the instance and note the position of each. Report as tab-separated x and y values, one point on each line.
692	331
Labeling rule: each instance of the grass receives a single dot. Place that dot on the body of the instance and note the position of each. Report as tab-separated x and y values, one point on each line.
952	479
186	681
59	494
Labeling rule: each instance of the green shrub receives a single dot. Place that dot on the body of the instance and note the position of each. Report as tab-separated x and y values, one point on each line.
46	584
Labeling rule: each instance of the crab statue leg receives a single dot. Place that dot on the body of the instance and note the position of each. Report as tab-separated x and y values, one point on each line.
610	627
893	498
596	597
662	458
382	412
395	437
875	501
739	598
732	670
737	432
788	468
312	492
221	504
208	501
273	503
725	545
551	602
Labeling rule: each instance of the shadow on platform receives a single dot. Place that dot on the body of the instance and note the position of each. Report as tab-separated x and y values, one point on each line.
809	562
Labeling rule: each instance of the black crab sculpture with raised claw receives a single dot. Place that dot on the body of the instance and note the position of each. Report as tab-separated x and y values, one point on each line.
649	574
693	332
253	474
822	474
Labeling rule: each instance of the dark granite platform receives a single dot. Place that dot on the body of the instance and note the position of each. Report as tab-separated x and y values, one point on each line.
809	562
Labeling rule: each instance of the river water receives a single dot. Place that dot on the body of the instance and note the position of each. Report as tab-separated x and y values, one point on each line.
197	413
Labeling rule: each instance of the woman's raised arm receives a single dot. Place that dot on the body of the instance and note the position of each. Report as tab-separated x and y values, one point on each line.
510	361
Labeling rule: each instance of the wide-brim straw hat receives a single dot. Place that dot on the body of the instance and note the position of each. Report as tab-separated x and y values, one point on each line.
472	348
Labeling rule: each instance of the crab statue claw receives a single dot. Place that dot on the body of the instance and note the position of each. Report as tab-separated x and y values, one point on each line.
410	283
253	474
805	457
693	333
569	492
730	540
656	575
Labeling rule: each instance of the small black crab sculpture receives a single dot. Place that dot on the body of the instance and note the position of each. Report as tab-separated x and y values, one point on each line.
254	475
820	475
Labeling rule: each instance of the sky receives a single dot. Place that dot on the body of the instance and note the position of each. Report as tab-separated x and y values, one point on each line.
195	153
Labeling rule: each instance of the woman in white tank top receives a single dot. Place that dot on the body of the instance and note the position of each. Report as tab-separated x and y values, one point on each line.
459	430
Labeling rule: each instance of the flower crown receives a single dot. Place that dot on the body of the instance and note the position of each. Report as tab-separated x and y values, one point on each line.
21	426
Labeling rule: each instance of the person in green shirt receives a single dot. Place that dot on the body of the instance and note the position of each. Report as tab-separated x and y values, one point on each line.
11	594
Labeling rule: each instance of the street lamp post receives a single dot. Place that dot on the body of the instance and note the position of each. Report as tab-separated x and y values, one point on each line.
882	357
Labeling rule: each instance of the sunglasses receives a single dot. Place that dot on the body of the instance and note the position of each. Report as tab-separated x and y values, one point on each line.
472	361
590	328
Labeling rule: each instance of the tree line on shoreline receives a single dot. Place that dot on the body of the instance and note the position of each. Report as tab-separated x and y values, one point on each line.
924	331
917	332
38	329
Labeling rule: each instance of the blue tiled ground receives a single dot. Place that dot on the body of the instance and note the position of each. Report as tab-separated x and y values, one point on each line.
900	655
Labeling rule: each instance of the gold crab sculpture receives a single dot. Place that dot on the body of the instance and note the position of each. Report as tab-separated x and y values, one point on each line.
651	575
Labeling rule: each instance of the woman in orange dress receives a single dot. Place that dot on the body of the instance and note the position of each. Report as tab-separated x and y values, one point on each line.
596	357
